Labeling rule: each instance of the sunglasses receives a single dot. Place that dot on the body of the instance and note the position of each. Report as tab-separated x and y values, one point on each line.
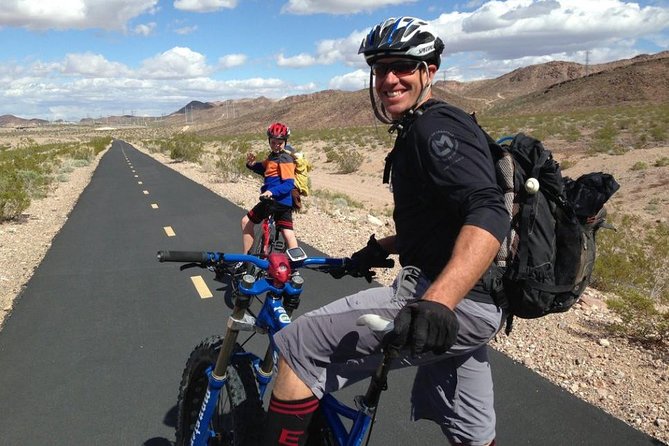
399	68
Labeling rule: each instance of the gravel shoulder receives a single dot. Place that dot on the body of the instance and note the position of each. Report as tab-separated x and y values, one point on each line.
572	349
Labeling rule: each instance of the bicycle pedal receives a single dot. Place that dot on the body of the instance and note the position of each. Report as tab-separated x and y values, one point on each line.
279	245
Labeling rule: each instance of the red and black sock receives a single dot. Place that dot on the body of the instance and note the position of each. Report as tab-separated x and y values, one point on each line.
288	421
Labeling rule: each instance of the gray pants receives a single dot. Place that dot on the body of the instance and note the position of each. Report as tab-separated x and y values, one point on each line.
328	351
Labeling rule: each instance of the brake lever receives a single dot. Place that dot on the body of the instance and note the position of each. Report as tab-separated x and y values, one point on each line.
191	265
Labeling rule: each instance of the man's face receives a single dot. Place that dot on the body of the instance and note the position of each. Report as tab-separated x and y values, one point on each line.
398	83
276	144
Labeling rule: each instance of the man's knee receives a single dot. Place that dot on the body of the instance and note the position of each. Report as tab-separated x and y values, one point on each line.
288	386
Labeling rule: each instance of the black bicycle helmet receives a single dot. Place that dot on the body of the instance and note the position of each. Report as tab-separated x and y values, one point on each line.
406	37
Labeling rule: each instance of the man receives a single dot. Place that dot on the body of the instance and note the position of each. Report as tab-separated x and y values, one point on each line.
450	220
276	197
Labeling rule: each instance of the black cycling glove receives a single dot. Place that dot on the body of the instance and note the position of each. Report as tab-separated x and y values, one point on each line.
425	326
361	261
371	255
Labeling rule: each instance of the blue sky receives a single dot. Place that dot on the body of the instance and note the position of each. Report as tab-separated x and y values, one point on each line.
70	59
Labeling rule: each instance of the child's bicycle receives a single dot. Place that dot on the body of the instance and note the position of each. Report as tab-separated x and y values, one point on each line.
267	237
222	388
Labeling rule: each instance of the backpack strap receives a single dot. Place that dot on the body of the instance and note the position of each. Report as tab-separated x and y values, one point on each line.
527	220
402	126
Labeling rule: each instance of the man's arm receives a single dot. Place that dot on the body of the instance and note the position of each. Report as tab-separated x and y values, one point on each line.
388	243
474	251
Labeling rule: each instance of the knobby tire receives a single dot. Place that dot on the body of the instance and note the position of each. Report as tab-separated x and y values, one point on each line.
239	412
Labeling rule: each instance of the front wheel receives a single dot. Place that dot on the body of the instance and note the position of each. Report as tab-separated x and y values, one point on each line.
239	410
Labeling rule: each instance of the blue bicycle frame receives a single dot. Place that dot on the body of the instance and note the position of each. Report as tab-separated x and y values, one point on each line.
272	318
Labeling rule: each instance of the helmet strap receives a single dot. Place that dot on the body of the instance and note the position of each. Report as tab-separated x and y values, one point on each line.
381	115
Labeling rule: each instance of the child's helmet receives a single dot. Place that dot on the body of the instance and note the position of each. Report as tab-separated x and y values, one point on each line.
278	131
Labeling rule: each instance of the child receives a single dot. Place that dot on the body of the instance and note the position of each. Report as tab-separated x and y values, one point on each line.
279	173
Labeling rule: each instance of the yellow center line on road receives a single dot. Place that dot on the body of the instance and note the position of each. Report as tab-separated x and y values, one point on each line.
154	205
201	287
169	231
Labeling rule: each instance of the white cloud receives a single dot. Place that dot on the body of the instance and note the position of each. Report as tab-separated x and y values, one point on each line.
186	30
204	5
306	7
328	52
73	14
350	81
518	28
176	63
145	29
92	65
299	61
231	60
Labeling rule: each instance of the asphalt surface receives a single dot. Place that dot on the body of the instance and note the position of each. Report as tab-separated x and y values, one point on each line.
93	351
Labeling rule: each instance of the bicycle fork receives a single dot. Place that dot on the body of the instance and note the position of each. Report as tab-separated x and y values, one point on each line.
218	376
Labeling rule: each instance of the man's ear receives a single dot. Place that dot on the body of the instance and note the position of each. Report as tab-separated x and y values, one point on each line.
432	71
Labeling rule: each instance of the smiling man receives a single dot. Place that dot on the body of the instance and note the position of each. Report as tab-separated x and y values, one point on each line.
450	219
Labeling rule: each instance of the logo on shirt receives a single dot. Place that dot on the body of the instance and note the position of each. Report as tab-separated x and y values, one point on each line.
443	146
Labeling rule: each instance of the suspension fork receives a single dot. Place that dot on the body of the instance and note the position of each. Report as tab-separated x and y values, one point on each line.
218	377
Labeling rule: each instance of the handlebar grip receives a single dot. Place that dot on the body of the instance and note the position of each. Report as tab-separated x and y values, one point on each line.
182	256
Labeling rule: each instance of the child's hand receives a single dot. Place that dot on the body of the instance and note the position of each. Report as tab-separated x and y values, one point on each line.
250	158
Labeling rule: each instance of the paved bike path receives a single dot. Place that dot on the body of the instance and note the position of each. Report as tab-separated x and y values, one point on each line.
94	348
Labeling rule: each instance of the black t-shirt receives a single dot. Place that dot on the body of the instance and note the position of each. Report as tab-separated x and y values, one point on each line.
446	144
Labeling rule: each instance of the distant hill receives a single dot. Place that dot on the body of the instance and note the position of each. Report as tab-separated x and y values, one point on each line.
538	88
552	86
645	81
192	106
16	122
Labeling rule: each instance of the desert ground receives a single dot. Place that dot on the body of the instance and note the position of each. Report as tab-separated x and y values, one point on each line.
573	349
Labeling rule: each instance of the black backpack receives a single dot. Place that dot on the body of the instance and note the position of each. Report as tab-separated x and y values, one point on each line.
546	260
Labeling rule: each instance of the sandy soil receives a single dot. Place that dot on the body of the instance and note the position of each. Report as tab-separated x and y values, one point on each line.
572	349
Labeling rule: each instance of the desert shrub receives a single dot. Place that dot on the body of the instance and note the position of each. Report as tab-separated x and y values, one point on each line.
83	153
338	199
664	161
185	147
349	161
566	164
633	263
34	182
331	154
639	318
639	165
13	197
99	144
658	133
230	166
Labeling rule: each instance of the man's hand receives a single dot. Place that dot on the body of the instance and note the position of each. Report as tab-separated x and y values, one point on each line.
371	255
425	326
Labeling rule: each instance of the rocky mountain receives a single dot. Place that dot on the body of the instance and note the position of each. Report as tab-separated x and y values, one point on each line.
16	122
538	88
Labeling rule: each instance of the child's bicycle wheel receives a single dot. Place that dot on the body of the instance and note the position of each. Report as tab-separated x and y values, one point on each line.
239	408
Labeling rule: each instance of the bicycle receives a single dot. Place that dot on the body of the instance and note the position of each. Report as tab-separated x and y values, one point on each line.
267	238
205	417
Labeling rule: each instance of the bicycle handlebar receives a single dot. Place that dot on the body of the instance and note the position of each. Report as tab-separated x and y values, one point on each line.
206	258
